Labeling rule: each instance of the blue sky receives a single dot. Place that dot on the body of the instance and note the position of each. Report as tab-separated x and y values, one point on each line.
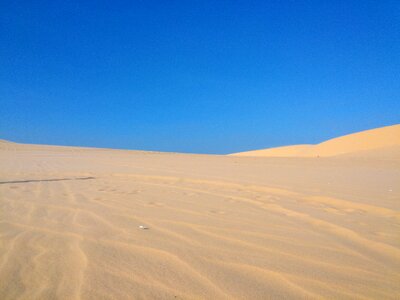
197	76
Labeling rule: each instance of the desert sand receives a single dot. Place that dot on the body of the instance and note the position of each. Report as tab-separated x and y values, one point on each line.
219	227
380	142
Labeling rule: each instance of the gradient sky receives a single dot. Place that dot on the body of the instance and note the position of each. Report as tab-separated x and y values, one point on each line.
196	76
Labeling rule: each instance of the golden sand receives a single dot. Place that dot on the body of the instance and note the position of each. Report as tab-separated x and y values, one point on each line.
218	227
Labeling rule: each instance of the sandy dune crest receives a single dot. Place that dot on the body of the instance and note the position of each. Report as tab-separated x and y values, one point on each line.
383	141
219	227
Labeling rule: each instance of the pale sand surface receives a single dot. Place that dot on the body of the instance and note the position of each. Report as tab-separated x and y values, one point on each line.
385	139
220	227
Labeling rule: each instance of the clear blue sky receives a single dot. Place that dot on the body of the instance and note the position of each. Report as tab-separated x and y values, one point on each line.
197	76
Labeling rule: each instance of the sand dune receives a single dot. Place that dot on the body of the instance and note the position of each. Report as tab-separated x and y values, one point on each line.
383	140
5	142
220	227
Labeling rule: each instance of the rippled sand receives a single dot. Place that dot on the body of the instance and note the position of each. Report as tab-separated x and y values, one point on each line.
220	227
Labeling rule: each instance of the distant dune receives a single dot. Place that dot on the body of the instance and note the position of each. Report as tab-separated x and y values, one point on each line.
384	141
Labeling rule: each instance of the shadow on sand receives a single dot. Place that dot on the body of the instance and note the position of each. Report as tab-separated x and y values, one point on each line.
45	180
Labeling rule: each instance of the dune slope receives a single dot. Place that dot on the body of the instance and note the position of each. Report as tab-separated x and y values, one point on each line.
381	138
219	227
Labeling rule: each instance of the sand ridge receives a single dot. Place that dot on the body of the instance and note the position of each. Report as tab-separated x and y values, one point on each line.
378	140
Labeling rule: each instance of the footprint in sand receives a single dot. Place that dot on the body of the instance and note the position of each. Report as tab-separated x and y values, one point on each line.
218	212
134	192
334	210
